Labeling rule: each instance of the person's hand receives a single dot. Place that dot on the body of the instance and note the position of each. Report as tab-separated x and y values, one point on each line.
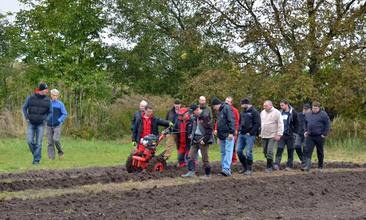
277	137
323	136
133	143
215	132
231	136
306	134
202	142
236	133
171	124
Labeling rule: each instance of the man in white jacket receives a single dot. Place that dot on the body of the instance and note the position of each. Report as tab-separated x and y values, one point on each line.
271	131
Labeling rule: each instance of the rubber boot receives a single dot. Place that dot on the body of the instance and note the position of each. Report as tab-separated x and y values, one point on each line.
301	156
249	169
269	166
278	158
307	165
290	160
243	161
207	172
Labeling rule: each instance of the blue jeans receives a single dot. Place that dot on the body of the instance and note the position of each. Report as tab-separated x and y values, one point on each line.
34	139
227	149
245	141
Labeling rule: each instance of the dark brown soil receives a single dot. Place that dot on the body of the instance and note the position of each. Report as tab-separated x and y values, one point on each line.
340	195
75	177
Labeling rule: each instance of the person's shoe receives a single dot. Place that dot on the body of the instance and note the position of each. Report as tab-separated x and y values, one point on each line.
190	174
36	164
288	169
241	171
269	170
248	172
320	169
225	173
61	156
276	167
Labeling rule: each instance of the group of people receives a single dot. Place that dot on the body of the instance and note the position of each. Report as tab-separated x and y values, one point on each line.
42	111
194	129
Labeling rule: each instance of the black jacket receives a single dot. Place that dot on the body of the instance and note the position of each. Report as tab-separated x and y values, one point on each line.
171	115
249	121
317	124
293	121
188	132
206	123
37	108
155	123
301	120
225	122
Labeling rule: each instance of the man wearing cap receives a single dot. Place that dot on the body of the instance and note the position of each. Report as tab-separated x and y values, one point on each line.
225	133
271	131
54	125
36	110
300	139
136	116
172	114
291	126
182	131
249	124
317	126
201	138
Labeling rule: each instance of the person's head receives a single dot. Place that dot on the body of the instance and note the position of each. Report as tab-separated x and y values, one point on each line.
177	104
143	104
184	114
245	103
229	100
215	103
196	110
42	88
55	94
267	105
306	108
315	107
202	101
284	105
148	110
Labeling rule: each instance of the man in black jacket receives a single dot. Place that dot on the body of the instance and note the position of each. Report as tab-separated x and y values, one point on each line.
36	110
249	124
136	116
172	114
225	133
300	139
290	123
201	138
317	126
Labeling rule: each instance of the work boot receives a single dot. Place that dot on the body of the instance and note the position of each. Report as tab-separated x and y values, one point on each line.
208	171
244	163
307	166
276	167
269	166
190	174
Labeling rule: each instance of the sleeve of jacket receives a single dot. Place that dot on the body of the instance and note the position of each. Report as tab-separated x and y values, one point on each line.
207	124
280	125
50	111
231	120
326	121
63	115
25	108
256	124
163	122
136	130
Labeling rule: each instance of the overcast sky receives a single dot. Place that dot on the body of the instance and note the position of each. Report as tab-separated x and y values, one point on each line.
9	5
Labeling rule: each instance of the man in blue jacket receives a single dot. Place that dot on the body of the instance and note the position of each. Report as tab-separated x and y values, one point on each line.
317	126
36	110
54	125
225	132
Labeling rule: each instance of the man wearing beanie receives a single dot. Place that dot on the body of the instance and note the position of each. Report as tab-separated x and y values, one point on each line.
249	124
36	110
271	131
201	138
225	133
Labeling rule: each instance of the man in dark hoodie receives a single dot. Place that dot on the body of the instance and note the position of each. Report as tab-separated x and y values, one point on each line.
317	126
201	138
300	139
249	124
172	114
225	133
291	126
36	110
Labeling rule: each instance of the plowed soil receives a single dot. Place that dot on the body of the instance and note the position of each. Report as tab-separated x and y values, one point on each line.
77	177
327	195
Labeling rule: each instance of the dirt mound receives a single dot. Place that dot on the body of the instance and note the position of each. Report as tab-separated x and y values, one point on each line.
338	195
75	177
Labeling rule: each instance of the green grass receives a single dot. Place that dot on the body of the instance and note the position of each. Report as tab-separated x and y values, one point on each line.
16	157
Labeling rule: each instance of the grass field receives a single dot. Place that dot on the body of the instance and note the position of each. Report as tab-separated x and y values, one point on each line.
16	157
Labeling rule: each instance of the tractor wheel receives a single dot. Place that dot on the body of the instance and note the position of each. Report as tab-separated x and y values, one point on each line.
129	166
156	164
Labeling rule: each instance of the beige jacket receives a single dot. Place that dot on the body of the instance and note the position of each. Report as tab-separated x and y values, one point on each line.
271	123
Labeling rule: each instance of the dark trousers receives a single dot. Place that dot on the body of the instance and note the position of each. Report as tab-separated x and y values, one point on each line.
288	141
310	143
192	156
